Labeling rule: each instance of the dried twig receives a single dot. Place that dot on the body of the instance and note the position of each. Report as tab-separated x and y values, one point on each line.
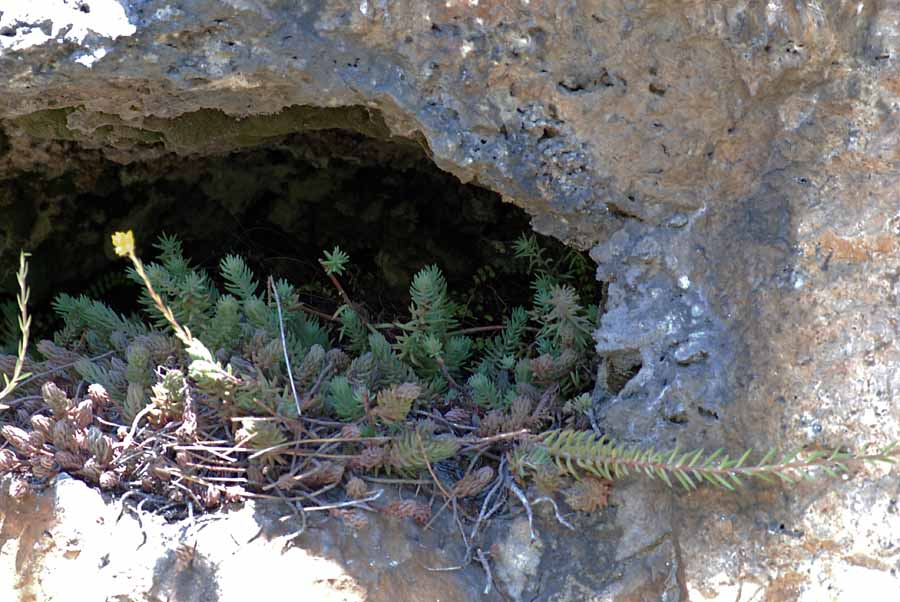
359	503
559	517
515	489
129	438
446	373
484	513
287	359
314	390
386	481
313	311
281	446
495	438
437	481
298	510
489	581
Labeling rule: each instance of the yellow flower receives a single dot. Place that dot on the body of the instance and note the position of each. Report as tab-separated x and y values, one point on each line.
123	243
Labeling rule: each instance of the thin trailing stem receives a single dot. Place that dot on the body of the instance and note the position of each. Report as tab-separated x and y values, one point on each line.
582	452
123	243
446	373
332	275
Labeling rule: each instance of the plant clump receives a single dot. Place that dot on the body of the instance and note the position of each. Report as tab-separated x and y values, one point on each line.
227	387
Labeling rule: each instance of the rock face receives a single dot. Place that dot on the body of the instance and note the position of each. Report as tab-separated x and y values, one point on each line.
69	539
733	166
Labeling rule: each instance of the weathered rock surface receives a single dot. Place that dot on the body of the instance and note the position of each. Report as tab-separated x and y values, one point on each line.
69	541
734	166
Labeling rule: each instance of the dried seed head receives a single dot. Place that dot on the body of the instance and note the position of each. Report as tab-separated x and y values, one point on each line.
542	367
492	423
39	472
458	415
409	509
109	480
8	461
187	432
310	367
369	458
98	395
56	399
338	359
394	403
18	438
91	472
36	439
45	459
83	414
350	431
326	474
81	440
64	435
519	412
356	488
352	517
69	461
588	494
43	425
44	466
473	483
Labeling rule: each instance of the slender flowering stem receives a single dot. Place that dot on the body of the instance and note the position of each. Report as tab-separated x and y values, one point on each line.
24	327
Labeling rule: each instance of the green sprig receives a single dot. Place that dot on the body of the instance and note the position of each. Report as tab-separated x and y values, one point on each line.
10	383
335	262
580	453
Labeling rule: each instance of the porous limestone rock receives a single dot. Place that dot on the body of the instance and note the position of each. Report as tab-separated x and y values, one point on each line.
734	166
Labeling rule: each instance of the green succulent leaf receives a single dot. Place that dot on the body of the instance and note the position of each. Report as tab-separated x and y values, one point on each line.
335	261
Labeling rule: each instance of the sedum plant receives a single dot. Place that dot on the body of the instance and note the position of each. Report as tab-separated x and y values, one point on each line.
219	392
